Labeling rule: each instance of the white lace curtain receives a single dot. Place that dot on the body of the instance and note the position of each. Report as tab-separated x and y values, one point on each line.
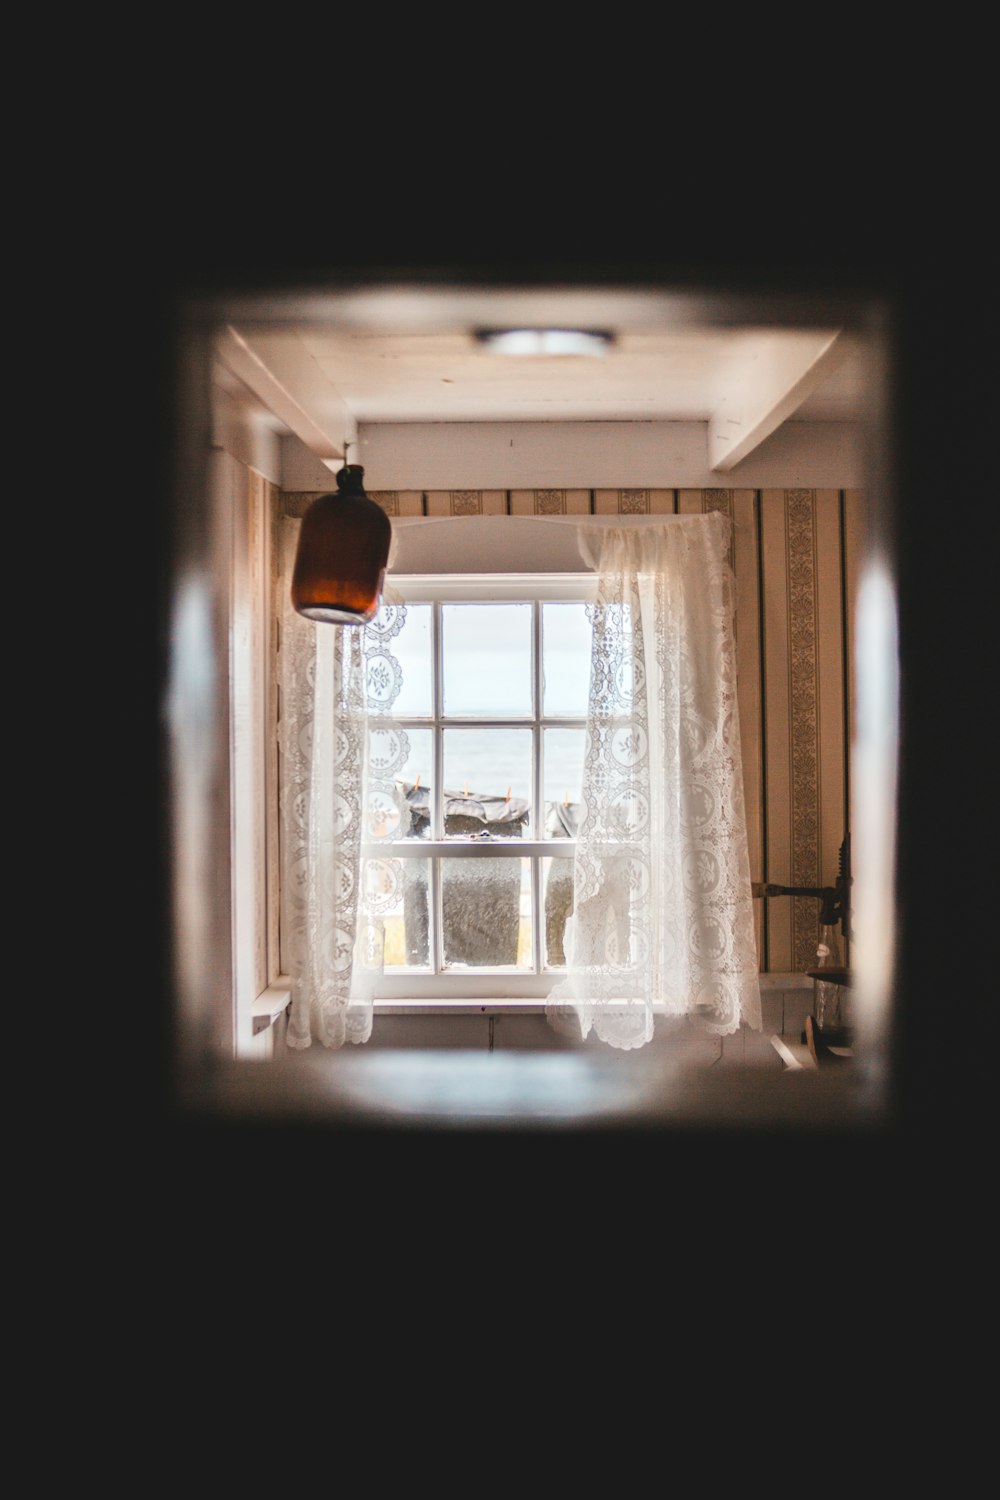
662	920
340	751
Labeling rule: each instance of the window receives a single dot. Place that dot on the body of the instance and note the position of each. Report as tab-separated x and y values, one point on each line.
492	708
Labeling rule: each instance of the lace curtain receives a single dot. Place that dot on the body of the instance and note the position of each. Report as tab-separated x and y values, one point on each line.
662	912
662	919
340	751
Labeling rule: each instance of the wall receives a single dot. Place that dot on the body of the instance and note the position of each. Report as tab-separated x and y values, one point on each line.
245	501
796	556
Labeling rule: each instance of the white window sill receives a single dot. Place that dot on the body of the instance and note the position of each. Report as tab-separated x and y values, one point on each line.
271	1003
466	1007
274	1001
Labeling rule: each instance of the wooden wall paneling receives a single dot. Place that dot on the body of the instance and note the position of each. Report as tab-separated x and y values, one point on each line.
777	747
831	749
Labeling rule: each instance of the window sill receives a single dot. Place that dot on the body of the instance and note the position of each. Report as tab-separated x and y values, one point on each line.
466	1007
274	1001
271	1003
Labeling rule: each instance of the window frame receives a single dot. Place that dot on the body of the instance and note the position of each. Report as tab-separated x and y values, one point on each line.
500	982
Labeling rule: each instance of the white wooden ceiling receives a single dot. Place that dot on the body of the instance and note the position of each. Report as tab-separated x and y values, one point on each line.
325	364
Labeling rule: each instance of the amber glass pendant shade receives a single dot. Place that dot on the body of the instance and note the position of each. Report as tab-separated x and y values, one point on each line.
342	554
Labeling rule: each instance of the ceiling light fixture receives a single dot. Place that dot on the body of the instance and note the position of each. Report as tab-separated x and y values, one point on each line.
342	554
534	341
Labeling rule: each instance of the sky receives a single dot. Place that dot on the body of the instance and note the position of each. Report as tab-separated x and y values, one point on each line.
487	671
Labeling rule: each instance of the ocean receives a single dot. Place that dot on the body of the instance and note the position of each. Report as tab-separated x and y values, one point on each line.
496	762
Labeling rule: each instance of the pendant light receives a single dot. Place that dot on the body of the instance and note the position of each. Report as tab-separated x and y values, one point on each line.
342	554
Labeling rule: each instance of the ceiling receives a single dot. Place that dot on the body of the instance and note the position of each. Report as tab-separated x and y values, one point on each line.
322	364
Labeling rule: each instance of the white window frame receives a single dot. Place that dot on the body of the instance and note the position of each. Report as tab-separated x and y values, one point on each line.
501	983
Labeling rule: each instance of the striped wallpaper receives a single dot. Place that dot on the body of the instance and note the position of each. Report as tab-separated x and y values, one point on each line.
795	555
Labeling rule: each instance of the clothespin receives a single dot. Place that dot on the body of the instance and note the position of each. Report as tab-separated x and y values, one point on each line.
465	790
565	799
507	798
417	782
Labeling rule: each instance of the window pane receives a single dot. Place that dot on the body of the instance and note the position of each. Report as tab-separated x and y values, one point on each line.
481	766
563	780
557	875
412	649
565	659
486	913
487	659
407	920
414	785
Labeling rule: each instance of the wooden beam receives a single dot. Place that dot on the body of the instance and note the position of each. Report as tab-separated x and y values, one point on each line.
295	390
596	455
766	388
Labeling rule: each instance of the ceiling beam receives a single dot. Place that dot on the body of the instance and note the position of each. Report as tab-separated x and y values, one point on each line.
766	387
294	389
594	455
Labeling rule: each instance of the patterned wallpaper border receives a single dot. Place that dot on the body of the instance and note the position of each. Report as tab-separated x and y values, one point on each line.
800	533
548	502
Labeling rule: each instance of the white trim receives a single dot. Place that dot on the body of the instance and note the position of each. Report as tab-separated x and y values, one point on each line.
274	1001
450	588
271	1004
470	846
440	590
599	455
